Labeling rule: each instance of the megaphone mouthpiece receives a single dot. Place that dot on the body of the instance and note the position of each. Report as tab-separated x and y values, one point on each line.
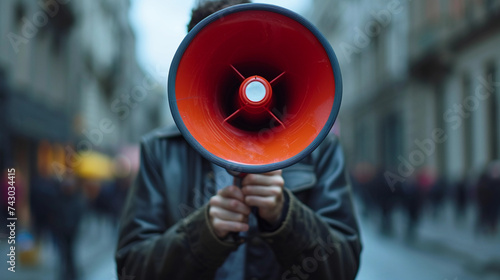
256	92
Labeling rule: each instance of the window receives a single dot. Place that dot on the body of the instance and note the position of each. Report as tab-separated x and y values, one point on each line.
492	111
392	139
467	123
439	108
19	13
432	10
361	138
458	7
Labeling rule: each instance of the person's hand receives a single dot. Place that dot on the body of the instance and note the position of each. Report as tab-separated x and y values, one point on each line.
265	191
228	211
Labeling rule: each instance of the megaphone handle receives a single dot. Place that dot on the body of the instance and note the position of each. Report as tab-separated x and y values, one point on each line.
237	182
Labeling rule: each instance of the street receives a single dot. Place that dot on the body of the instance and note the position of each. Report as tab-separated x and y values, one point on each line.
94	255
442	251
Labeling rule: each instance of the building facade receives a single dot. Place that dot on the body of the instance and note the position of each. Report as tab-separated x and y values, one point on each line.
454	60
420	82
69	80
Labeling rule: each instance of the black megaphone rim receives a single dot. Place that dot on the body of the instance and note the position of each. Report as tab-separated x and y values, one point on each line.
245	168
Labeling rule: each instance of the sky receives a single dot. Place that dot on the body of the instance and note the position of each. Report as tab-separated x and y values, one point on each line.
160	26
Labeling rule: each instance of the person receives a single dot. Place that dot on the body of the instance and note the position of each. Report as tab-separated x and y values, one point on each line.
304	226
488	193
68	210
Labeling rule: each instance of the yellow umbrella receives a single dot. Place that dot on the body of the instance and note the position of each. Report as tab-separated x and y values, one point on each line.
94	165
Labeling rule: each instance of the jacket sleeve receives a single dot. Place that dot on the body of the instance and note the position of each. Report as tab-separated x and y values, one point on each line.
149	248
319	238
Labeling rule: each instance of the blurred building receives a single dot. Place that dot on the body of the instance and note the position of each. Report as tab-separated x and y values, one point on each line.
69	79
421	85
454	61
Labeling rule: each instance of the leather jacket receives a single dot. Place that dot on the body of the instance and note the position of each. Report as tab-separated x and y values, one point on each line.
162	236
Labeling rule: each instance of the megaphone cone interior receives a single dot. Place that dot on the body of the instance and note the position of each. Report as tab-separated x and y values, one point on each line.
254	87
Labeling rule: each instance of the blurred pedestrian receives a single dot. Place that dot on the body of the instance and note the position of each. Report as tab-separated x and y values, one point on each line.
488	196
437	195
363	176
415	191
385	197
461	199
70	206
494	184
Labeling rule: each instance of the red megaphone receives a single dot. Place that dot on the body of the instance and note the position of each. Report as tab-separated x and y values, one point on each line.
254	88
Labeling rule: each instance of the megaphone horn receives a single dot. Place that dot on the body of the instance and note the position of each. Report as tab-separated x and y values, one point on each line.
254	88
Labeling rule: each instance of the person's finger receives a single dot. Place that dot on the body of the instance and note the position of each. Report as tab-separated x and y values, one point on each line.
262	190
261	201
229	226
226	215
231	192
230	204
263	180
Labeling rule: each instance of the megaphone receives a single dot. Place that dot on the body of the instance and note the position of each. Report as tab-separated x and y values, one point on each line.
254	88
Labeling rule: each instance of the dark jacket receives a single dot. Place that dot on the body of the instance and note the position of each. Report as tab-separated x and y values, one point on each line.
160	239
